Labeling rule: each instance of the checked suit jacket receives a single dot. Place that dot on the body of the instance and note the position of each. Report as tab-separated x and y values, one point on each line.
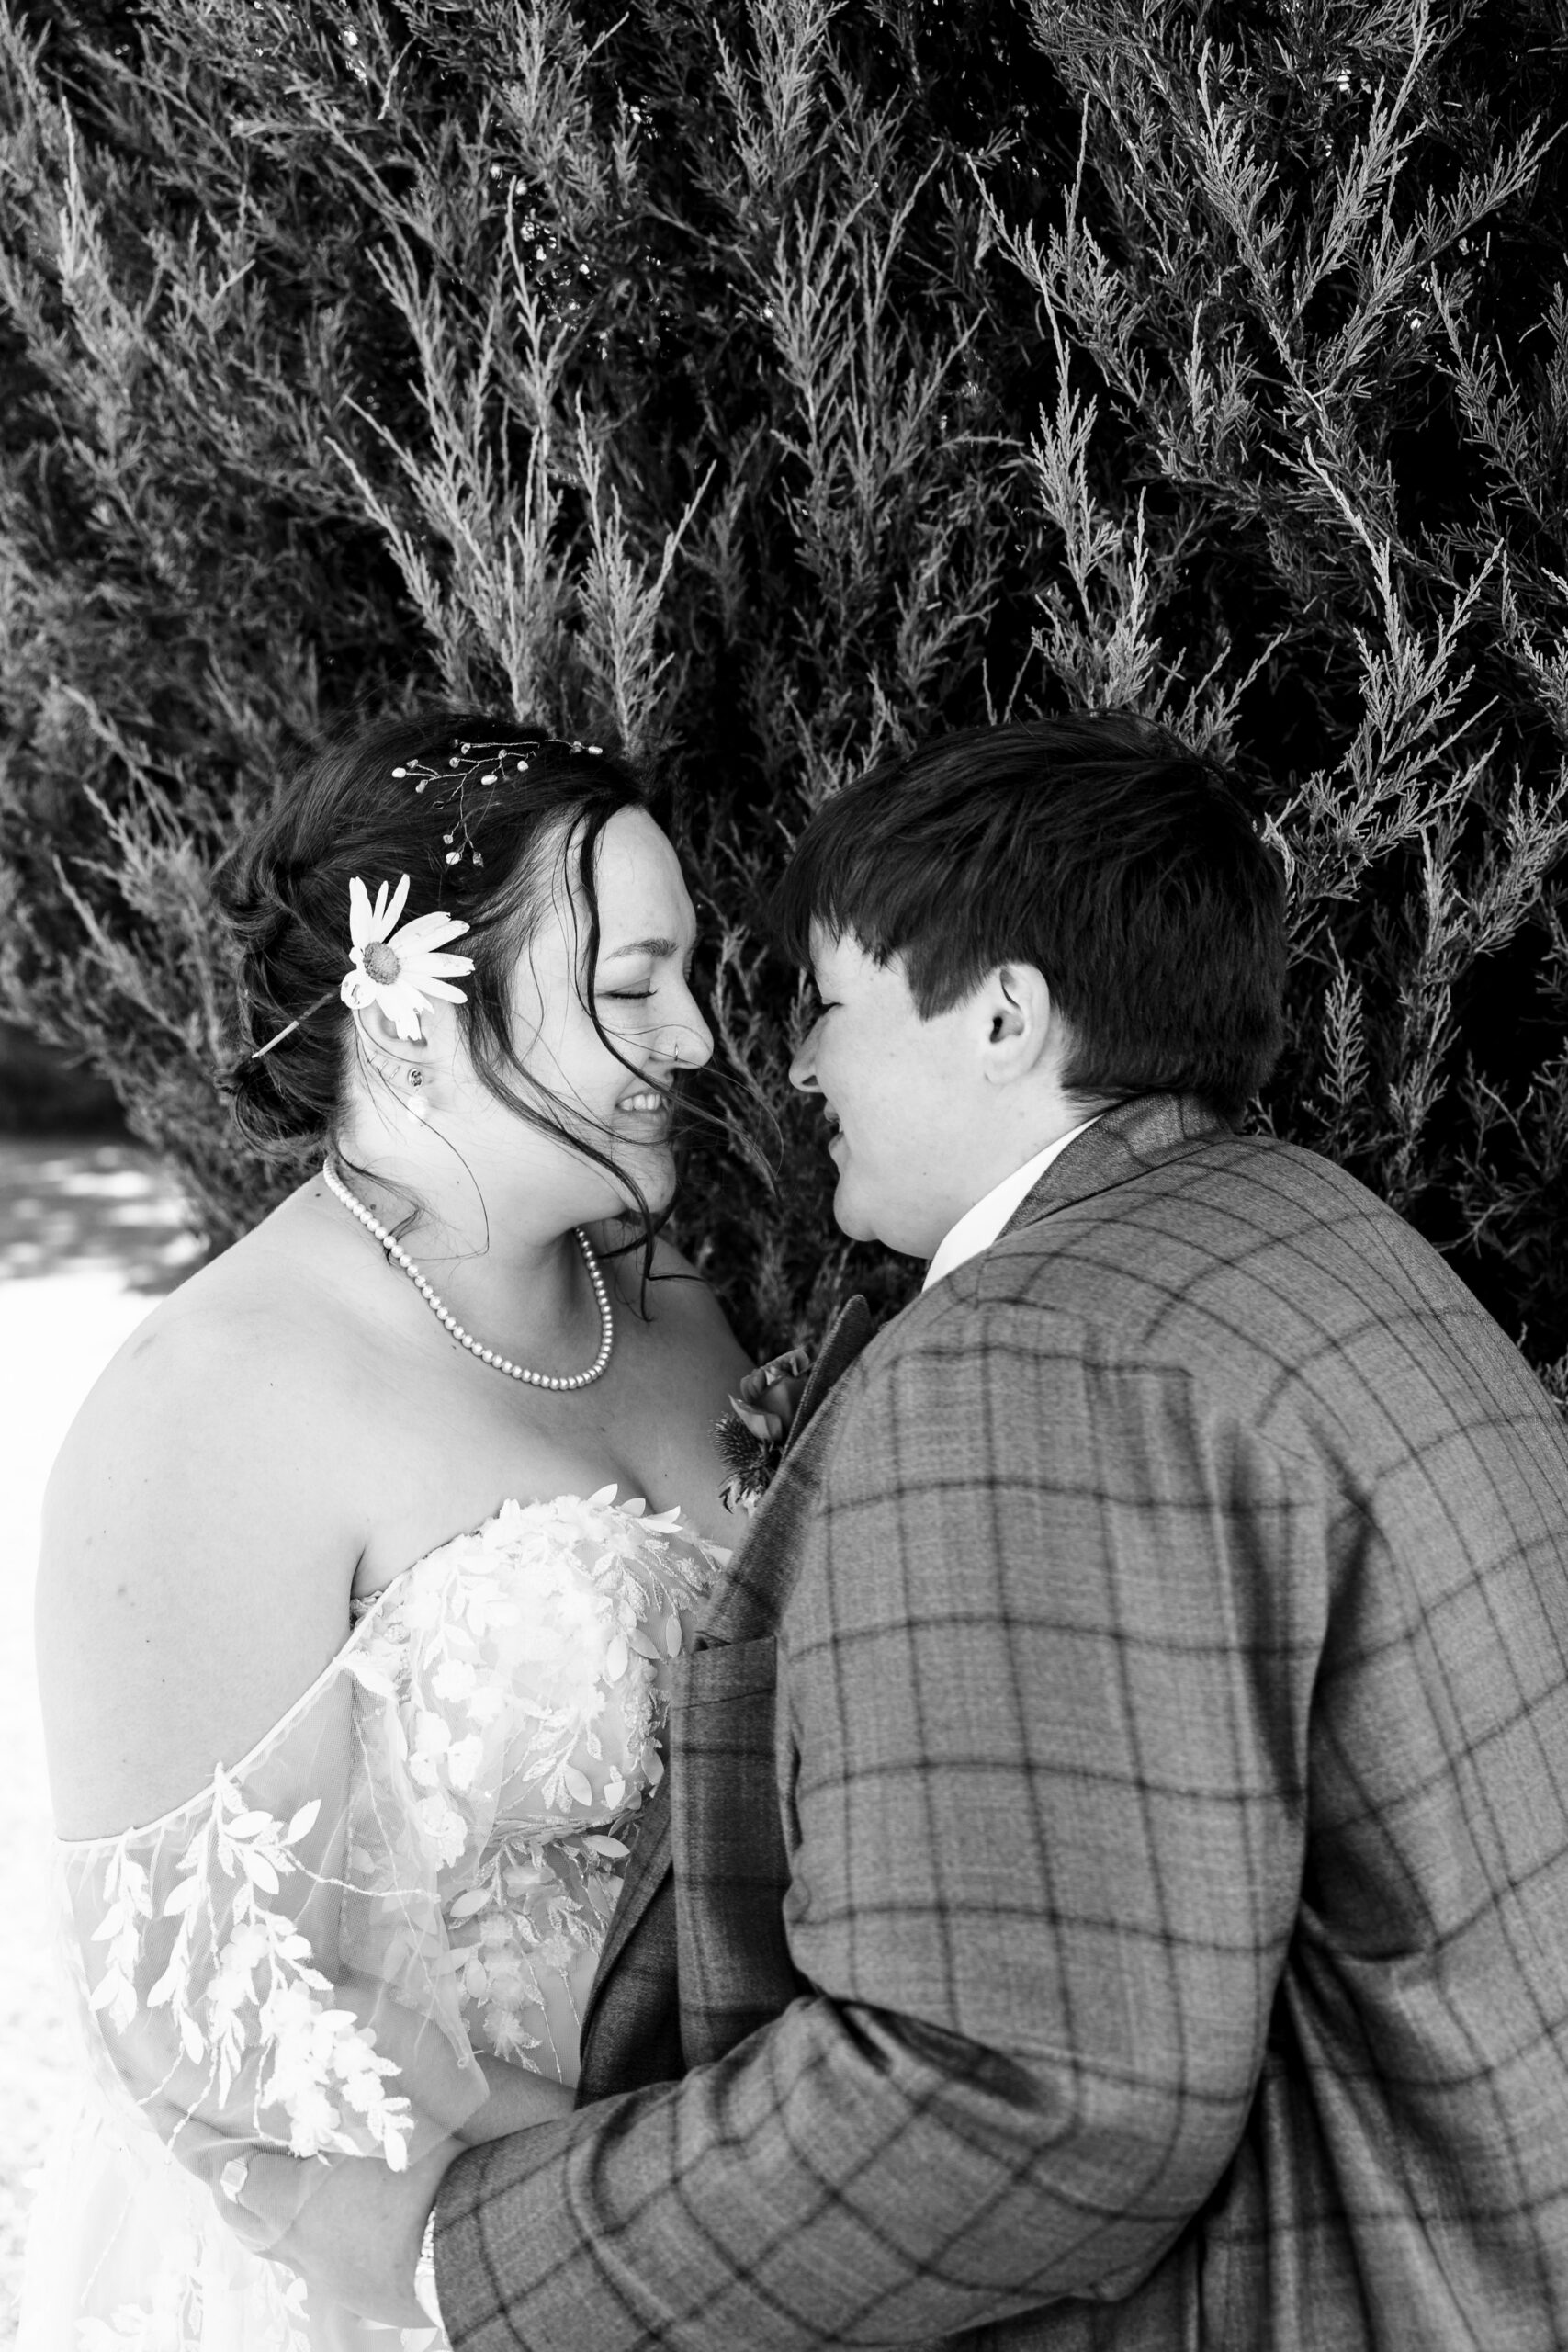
1112	1888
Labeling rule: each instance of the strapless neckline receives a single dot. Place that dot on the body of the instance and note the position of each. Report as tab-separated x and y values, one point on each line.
364	1615
668	1522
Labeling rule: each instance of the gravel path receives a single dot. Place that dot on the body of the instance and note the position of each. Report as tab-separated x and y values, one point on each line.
89	1236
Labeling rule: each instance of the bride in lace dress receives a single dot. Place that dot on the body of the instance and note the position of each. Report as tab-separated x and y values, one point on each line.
365	1559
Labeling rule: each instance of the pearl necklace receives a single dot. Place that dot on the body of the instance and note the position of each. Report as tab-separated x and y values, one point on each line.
400	1257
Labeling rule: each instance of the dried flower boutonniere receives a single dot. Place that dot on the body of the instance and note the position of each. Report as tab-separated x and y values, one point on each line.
751	1436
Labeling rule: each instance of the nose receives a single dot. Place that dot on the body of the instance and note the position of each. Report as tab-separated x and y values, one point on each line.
803	1069
689	1040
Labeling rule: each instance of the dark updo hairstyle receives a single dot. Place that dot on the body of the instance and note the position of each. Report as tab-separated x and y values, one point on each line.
487	834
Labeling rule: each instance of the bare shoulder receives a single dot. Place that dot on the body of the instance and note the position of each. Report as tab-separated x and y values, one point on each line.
223	1381
199	1541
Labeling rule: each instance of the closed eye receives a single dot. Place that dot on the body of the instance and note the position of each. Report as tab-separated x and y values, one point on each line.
664	950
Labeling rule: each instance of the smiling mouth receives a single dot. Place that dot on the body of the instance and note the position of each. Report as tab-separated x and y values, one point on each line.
646	1106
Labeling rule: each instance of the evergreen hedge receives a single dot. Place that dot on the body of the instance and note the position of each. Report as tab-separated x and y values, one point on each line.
765	383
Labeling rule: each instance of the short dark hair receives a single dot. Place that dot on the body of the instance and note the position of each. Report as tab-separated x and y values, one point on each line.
1129	869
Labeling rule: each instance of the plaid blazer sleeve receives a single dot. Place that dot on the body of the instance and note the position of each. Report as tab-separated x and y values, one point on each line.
1042	1715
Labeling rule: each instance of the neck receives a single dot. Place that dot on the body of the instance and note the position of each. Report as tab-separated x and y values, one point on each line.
509	1269
1015	1141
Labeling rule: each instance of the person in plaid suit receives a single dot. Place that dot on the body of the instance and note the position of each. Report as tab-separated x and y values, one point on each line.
1111	1885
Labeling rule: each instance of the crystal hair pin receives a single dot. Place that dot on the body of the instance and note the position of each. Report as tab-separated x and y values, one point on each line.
483	765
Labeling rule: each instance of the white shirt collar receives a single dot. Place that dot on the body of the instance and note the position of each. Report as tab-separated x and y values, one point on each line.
979	1227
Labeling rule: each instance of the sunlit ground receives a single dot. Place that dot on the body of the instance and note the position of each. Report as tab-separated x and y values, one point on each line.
90	1236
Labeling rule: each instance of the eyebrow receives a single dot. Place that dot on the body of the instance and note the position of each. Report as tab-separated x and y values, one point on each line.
644	947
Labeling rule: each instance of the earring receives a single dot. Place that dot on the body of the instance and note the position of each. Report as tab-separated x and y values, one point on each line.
397	1076
411	1078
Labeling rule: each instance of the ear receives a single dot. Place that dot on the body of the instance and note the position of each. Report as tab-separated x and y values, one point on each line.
1021	1024
401	1069
381	1034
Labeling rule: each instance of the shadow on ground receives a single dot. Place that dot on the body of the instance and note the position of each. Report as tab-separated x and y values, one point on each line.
70	1208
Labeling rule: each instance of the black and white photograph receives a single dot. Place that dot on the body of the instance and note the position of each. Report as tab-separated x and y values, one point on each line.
783	1175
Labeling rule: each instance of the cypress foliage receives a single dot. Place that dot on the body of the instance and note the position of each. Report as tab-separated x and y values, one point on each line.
769	383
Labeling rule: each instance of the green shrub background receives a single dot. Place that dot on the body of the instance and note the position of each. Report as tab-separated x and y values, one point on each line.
770	383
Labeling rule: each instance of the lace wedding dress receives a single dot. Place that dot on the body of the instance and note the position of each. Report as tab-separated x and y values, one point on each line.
417	1863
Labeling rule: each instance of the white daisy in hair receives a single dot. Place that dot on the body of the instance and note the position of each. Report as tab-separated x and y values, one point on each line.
400	970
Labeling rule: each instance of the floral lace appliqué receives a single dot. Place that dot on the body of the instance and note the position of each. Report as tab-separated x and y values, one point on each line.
529	1663
430	1837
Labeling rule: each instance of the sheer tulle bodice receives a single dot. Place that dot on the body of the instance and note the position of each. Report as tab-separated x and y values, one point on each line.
416	1862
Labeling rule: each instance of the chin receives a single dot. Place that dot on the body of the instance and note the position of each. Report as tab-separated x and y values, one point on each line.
887	1224
652	1171
854	1218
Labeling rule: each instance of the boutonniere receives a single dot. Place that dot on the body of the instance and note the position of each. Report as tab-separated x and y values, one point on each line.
751	1436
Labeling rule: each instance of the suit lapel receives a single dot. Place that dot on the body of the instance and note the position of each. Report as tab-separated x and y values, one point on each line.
646	1866
733	1604
845	1337
745	1601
